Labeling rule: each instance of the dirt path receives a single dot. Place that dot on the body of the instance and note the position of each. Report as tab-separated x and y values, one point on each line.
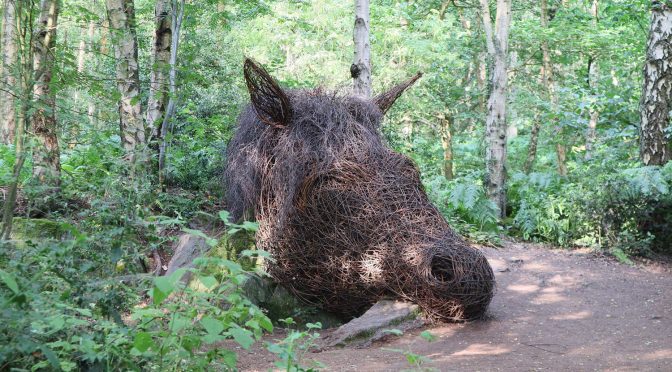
554	310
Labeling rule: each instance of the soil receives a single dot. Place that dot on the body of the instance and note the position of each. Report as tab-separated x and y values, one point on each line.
554	310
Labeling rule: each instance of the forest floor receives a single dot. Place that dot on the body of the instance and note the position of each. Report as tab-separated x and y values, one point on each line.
553	310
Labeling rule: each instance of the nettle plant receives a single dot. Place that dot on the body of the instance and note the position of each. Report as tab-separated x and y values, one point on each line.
59	314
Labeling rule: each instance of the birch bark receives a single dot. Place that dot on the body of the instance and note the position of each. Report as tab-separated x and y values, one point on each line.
8	74
121	17
361	65
158	82
495	124
657	89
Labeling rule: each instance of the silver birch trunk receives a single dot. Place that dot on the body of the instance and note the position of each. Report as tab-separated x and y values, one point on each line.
166	126
91	105
361	65
46	154
158	81
8	75
495	124
121	17
593	77
656	92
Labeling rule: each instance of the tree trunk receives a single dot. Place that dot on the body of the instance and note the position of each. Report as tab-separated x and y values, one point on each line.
593	77
482	68
8	74
81	52
23	73
534	134
532	148
447	144
166	127
495	124
655	101
121	16
46	154
91	105
361	65
560	150
158	88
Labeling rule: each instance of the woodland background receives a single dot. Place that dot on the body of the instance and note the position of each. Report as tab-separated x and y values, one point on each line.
115	117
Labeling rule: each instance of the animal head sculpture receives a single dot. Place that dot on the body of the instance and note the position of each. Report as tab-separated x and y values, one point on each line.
345	217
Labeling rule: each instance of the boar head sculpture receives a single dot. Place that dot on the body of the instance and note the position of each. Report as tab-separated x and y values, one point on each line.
345	218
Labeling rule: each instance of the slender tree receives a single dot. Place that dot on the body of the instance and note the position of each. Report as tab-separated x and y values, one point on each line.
495	124
158	81
534	133
24	20
177	15
593	76
46	154
361	65
547	80
657	89
560	149
121	17
446	128
8	73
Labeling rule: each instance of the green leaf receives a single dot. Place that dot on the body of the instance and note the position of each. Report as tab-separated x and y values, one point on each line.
178	323
164	284
250	226
428	336
242	336
208	281
224	216
210	241
211	325
56	323
51	357
9	281
266	323
158	296
396	332
212	338
143	341
230	358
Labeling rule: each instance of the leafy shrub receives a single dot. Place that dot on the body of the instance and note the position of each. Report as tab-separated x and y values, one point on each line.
64	308
627	210
465	205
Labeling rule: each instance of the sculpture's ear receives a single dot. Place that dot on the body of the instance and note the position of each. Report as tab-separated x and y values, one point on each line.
268	99
385	100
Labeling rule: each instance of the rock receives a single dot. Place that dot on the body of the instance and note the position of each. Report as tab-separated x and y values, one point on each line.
188	248
37	229
279	303
258	289
382	316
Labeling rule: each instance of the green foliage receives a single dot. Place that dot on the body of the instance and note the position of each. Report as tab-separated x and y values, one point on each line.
620	212
61	311
75	294
464	203
292	349
417	362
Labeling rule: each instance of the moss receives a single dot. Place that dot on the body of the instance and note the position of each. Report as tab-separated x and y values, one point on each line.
37	229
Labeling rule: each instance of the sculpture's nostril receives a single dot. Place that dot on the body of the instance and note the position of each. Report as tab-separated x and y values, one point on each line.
442	269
